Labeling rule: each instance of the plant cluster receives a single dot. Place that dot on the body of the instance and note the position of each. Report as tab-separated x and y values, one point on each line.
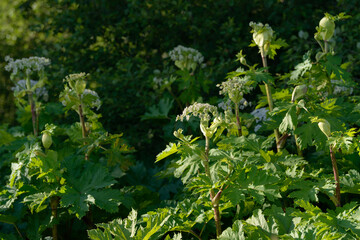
284	182
287	170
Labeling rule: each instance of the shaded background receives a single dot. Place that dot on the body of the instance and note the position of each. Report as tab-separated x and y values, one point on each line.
120	43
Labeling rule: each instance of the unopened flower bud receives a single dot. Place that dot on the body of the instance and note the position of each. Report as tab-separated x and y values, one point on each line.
325	127
299	91
46	140
243	61
263	37
327	26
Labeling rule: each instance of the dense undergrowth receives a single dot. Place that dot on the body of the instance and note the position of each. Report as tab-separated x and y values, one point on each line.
271	152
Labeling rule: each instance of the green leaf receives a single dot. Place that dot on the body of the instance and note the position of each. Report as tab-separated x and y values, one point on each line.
275	45
236	232
159	111
170	149
350	183
258	219
130	227
333	67
5	137
301	69
88	183
289	121
36	201
8	219
305	133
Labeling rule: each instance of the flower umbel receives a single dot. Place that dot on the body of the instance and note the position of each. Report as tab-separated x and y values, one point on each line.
205	112
29	65
186	58
235	88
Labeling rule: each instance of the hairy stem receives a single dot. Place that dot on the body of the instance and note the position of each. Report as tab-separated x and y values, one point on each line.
54	203
269	97
83	127
33	113
336	176
238	121
213	197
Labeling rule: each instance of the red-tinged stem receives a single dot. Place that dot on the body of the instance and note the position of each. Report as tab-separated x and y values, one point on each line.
54	203
215	204
336	176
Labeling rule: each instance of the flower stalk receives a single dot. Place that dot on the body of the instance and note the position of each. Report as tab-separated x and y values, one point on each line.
269	96
32	106
336	177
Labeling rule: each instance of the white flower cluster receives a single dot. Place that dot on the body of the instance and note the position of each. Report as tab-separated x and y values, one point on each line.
260	115
244	103
302	34
96	99
75	77
186	58
341	89
201	110
87	94
185	53
259	27
235	88
39	92
31	64
226	106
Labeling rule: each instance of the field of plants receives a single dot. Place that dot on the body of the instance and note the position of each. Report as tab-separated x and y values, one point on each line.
196	120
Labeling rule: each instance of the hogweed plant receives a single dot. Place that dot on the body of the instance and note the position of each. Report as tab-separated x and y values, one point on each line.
76	97
264	39
22	70
50	177
206	113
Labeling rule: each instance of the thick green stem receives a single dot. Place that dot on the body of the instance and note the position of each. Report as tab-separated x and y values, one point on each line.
214	198
238	121
326	47
32	105
82	121
336	176
54	203
299	152
269	97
